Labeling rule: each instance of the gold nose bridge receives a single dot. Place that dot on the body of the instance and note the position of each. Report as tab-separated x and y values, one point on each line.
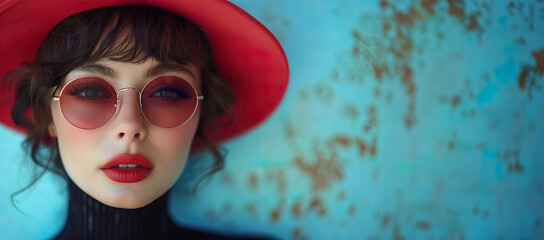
128	89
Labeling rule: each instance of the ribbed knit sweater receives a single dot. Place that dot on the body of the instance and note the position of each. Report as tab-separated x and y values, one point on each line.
90	219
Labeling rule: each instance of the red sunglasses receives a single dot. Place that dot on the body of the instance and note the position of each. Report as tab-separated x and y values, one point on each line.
92	102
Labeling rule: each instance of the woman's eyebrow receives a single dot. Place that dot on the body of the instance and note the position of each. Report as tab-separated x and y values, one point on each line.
97	69
163	68
156	70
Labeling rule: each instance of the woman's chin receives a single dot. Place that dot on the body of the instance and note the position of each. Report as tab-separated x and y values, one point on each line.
123	195
128	201
126	205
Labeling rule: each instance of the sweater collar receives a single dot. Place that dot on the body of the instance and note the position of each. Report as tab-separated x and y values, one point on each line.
91	219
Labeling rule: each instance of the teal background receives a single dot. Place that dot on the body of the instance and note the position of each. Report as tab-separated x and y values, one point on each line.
411	119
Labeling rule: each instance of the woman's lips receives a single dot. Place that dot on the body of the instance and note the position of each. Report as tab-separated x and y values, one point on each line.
127	168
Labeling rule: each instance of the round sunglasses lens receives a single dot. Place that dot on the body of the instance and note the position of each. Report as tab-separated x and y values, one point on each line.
168	101
88	102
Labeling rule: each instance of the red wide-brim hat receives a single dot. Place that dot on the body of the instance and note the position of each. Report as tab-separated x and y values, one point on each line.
245	52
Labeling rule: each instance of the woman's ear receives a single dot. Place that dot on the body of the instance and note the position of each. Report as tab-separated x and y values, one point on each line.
52	130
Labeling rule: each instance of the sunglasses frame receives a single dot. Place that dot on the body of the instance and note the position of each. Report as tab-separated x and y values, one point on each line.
118	100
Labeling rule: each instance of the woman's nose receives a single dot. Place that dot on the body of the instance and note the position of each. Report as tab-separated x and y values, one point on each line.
129	122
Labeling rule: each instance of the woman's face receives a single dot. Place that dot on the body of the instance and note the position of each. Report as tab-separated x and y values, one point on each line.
85	153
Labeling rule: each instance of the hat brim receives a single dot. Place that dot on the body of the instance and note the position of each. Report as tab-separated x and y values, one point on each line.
245	52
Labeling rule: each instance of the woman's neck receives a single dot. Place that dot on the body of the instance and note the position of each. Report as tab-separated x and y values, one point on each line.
90	219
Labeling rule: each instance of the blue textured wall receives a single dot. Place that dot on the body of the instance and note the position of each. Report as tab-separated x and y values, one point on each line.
403	120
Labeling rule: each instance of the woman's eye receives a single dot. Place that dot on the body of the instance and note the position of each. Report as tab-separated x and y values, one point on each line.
91	93
170	93
88	92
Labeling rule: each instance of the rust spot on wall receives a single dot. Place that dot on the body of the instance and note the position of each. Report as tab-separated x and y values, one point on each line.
469	113
276	176
210	214
227	207
406	18
317	205
362	51
351	111
296	209
539	58
357	35
227	178
324	92
298	235
274	215
406	46
377	92
396	234
451	145
522	78
351	210
527	78
423	225
473	21
520	41
355	51
276	212
363	147
389	97
252	181
409	121
475	210
341	196
384	4
456	8
515	167
525	11
251	208
323	171
481	146
403	50
290	131
428	5
379	70
407	80
372	120
322	212
385	220
397	28
373	148
386	27
455	101
340	140
512	159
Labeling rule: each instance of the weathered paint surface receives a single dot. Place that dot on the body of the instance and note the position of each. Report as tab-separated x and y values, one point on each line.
417	119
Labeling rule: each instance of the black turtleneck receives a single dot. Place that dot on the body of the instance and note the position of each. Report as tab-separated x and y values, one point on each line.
90	219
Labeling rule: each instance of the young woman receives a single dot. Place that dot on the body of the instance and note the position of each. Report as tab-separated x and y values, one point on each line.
121	92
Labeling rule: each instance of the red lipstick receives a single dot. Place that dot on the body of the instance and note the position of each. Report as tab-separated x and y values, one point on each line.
128	168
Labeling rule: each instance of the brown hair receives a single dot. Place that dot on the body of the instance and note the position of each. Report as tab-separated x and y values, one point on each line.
128	34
